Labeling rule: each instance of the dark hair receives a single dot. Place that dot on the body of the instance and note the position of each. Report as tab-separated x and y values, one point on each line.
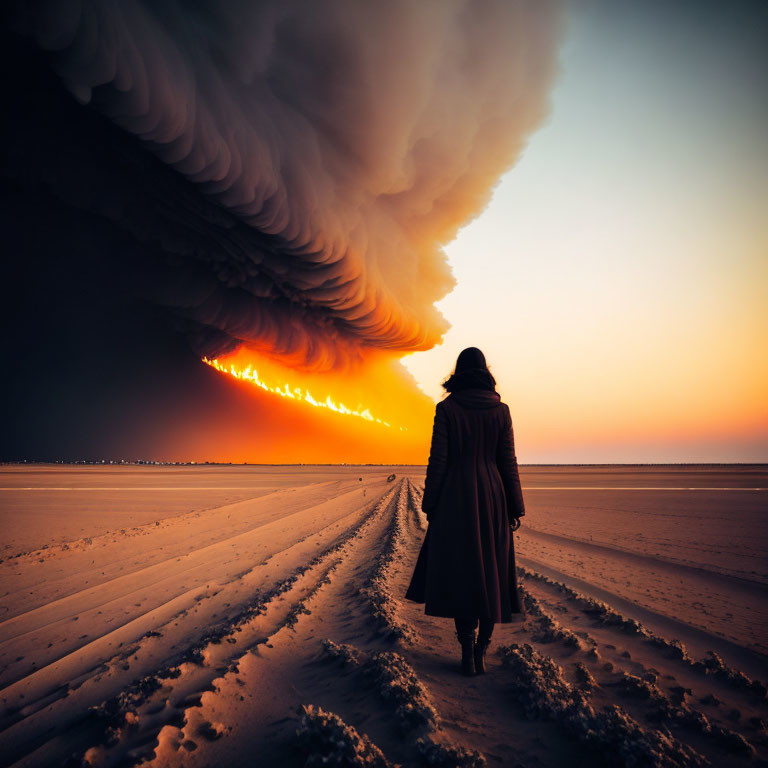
471	372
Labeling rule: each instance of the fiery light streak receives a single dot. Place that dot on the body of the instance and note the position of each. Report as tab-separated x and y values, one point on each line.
294	393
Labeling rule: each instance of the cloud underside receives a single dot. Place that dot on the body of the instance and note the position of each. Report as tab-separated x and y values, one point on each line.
293	169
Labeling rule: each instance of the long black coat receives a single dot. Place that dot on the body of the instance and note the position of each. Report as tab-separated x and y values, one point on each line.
472	492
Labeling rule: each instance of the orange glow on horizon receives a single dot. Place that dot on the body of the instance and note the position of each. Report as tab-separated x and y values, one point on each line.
250	374
269	411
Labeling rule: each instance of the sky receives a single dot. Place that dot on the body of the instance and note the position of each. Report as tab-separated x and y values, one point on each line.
306	194
264	183
618	280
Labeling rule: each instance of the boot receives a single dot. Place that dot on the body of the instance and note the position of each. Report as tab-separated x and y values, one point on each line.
465	634
468	656
481	646
483	641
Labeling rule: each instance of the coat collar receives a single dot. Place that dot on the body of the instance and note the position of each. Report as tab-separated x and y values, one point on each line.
476	399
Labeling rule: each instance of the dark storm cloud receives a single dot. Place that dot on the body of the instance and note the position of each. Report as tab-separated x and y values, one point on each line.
323	154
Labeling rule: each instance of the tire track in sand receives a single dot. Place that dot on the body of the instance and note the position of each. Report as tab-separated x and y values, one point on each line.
216	606
111	613
257	703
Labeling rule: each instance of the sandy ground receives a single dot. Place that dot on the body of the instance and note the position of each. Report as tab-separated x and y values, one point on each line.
53	504
252	616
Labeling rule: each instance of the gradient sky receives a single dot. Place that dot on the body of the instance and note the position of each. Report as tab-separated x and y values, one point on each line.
618	281
286	204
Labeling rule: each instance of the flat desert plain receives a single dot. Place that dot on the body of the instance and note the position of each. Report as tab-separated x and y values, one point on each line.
254	616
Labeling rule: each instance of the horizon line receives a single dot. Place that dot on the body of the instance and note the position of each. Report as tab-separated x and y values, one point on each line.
149	462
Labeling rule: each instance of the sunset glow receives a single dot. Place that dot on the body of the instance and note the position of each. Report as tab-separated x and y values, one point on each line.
293	392
289	415
286	252
618	280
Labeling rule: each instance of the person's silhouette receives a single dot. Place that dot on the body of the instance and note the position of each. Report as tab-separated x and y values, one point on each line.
473	501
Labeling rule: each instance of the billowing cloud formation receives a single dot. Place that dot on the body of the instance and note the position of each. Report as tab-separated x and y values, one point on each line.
328	151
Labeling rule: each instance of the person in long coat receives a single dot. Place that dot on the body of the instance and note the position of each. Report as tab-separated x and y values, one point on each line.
473	501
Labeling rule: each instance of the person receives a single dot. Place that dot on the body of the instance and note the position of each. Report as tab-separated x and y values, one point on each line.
473	501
